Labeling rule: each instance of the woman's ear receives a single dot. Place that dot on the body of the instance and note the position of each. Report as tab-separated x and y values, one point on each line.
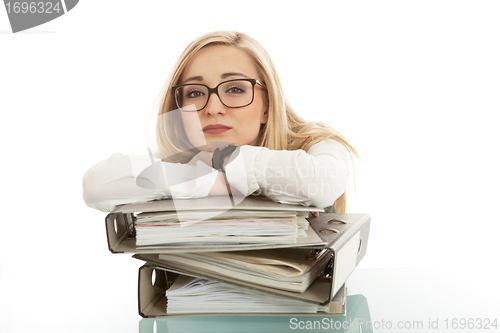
264	117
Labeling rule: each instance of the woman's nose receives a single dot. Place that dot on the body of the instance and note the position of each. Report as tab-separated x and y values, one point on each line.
214	105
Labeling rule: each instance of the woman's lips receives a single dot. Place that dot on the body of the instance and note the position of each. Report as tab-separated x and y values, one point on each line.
215	129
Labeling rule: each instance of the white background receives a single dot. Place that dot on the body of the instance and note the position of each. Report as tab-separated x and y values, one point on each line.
413	84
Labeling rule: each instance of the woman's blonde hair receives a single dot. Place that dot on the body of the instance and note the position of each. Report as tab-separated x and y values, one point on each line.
284	130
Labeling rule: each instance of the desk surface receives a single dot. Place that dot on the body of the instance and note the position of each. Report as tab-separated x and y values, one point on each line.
393	300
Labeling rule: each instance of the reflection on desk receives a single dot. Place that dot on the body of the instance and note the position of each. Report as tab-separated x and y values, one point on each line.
357	315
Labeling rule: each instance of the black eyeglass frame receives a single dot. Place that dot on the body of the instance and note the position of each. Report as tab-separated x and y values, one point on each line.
216	91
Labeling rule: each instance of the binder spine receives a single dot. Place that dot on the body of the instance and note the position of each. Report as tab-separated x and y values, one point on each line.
349	246
119	226
152	284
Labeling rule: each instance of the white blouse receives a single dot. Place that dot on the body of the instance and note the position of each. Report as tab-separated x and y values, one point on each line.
317	177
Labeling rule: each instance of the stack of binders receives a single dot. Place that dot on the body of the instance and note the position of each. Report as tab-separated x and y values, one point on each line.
204	257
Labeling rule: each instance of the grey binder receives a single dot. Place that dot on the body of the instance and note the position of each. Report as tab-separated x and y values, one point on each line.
120	229
153	302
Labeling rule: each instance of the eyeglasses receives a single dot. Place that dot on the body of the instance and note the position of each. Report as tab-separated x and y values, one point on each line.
233	94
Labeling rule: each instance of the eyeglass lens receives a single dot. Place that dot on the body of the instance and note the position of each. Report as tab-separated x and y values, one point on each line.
234	94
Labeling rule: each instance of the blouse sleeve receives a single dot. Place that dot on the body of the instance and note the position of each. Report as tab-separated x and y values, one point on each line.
317	177
123	179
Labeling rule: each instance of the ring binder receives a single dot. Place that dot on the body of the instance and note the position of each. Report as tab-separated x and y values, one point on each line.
153	302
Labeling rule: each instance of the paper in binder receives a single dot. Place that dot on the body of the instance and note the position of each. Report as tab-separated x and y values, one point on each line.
292	269
200	228
189	295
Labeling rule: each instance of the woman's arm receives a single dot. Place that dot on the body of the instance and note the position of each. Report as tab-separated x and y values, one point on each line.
125	179
316	178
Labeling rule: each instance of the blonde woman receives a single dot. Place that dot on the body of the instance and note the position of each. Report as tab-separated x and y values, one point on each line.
225	127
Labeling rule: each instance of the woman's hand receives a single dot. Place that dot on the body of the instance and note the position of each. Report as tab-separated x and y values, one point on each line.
206	157
315	214
221	187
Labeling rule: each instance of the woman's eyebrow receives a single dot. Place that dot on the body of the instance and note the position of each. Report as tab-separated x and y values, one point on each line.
223	76
226	75
193	78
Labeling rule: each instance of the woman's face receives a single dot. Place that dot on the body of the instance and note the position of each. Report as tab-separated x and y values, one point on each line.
211	66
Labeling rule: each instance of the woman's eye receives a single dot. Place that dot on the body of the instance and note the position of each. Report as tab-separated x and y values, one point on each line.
235	90
194	94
